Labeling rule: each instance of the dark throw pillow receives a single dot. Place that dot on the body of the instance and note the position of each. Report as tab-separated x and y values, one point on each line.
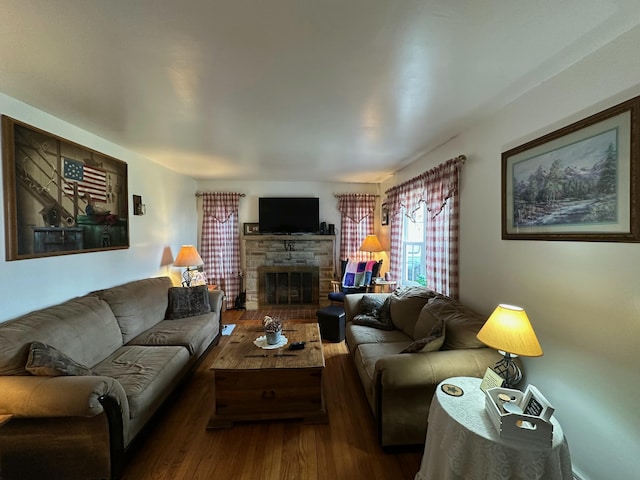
374	312
188	302
432	342
47	361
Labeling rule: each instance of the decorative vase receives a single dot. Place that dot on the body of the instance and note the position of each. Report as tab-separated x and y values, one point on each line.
274	338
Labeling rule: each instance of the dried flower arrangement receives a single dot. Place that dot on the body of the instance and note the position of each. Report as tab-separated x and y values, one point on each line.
271	325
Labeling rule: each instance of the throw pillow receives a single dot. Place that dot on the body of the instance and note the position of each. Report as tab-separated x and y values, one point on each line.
430	343
374	312
425	323
188	302
462	323
406	304
47	361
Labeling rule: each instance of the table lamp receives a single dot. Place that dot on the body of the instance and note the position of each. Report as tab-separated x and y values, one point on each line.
188	257
371	244
509	331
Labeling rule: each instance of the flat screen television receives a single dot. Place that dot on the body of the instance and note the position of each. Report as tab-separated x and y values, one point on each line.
287	215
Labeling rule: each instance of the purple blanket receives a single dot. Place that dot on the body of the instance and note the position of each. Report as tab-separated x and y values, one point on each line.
358	274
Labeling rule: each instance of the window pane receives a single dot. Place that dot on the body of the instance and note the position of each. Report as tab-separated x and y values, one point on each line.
413	248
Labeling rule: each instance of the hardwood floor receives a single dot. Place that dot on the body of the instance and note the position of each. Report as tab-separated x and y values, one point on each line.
180	447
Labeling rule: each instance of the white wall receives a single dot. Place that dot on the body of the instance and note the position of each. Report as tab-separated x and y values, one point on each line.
170	221
325	191
583	298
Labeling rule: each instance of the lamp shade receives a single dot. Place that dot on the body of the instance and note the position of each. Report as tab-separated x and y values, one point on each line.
188	256
371	244
508	329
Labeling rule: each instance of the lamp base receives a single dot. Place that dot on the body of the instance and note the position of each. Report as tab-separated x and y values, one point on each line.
186	278
508	369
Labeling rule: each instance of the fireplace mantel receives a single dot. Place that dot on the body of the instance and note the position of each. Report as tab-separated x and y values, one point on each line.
287	250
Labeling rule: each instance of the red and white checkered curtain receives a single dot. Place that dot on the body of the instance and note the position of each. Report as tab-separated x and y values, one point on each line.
438	189
220	242
395	209
442	223
357	211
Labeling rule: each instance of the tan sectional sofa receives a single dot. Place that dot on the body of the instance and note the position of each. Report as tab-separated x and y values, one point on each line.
399	386
131	358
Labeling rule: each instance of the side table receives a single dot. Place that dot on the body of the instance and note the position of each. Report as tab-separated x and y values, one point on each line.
383	286
462	443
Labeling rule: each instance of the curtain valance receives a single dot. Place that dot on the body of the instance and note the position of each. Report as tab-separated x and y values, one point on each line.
220	205
433	187
356	206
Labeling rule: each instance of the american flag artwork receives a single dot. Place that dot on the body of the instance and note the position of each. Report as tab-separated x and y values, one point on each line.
90	180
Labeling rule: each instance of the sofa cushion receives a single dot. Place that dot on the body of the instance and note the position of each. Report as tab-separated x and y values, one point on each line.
138	305
84	328
147	374
374	312
192	333
461	323
367	355
360	334
47	361
406	304
429	343
188	301
365	358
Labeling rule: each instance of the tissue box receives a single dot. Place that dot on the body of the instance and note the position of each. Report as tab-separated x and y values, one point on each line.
533	425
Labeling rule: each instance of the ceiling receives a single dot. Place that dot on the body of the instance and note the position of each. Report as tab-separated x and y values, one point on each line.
325	90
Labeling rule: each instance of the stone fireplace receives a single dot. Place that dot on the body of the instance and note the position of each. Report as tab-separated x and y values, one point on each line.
288	285
288	270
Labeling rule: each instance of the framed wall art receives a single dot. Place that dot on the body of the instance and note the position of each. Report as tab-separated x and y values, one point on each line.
60	197
251	228
578	183
384	214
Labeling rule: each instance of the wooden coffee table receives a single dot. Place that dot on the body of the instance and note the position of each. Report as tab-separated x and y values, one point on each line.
252	383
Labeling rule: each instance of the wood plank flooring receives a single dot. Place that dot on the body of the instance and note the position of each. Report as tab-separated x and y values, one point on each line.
180	447
282	313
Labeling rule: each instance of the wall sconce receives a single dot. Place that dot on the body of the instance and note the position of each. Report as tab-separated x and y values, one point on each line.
139	208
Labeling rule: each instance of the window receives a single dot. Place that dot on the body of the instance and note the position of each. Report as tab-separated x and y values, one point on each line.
426	251
414	256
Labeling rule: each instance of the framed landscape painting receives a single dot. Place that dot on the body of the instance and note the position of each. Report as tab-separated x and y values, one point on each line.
578	183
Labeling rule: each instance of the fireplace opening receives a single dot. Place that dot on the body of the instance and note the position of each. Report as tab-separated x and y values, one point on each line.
293	286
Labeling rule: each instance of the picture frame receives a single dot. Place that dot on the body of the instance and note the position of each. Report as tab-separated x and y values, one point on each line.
577	183
251	228
384	214
60	197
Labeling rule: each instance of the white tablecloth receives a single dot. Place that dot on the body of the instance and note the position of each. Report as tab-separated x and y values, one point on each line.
463	444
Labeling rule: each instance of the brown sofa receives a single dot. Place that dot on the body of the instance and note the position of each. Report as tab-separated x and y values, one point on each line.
399	386
75	413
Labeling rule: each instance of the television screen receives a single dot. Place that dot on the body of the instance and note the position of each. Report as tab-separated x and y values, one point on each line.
289	215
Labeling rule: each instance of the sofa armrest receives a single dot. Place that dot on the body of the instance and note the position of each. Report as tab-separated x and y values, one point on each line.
410	370
64	396
216	297
404	385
